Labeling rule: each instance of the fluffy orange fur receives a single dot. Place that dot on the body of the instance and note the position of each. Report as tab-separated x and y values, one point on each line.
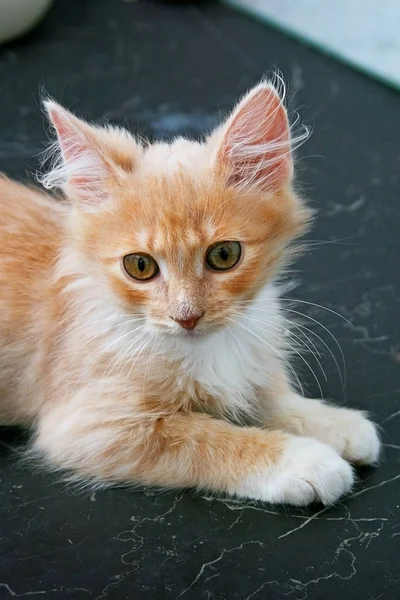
97	363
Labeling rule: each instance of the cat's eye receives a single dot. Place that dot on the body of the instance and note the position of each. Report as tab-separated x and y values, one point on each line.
140	266
224	255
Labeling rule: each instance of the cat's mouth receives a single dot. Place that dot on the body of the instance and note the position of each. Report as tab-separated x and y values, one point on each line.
179	332
202	329
193	333
189	334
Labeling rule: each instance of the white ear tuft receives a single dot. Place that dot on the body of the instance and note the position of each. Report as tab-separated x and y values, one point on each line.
256	148
77	165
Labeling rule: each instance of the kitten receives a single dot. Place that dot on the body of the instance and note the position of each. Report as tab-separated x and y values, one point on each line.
139	317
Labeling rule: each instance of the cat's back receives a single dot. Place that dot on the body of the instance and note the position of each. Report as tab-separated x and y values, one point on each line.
30	226
31	231
30	234
24	208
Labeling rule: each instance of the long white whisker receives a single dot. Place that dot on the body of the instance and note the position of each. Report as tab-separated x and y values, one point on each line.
149	359
292	336
236	339
314	351
318	306
343	378
145	342
107	348
300	326
286	331
99	334
306	363
73	329
144	337
289	366
124	351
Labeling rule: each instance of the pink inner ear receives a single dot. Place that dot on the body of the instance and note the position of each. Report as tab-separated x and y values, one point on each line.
256	146
68	136
83	171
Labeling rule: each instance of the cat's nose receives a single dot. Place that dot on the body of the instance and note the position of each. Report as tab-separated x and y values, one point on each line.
189	323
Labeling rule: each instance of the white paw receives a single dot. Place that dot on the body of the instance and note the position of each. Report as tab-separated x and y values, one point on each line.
361	441
348	431
308	471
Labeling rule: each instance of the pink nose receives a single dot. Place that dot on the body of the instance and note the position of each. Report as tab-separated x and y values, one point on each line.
188	323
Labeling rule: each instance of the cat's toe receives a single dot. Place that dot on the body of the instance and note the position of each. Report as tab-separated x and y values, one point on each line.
363	445
318	466
308	471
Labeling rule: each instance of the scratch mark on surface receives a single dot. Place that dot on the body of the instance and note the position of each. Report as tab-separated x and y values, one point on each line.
392	416
374	487
304	524
216	560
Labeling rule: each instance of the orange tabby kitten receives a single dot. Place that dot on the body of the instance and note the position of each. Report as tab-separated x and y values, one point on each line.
139	317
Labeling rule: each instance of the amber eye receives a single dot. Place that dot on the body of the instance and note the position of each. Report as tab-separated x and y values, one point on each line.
140	266
224	255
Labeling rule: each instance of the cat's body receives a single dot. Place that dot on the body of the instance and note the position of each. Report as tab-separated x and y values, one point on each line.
136	378
210	372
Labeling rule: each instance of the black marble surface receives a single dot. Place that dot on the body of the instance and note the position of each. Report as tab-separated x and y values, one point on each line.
164	70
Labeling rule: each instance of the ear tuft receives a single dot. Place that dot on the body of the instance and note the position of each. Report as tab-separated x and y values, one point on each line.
77	166
256	148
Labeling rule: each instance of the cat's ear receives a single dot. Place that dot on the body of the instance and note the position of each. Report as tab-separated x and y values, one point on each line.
79	168
256	146
87	157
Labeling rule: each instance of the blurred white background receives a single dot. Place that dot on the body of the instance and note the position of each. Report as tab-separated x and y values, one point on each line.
364	33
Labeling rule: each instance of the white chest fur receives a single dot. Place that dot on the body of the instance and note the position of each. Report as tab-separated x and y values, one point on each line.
231	364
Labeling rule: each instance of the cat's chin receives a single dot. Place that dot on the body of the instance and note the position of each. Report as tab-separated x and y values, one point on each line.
191	335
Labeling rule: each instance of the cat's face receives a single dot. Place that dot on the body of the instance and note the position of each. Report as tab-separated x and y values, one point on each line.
185	232
185	255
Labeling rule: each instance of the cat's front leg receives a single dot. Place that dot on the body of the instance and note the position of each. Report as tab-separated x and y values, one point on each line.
110	442
348	431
